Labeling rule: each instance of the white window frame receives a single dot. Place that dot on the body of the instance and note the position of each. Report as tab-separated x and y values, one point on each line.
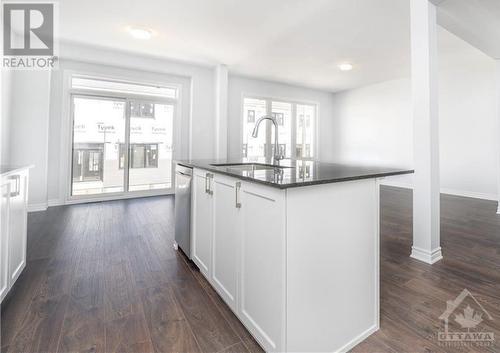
127	98
294	102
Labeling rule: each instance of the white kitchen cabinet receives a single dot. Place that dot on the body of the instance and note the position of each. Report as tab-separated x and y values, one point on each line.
239	246
18	217
13	223
262	264
4	237
202	221
226	238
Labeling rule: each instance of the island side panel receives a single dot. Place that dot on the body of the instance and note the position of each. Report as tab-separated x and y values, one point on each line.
332	265
262	272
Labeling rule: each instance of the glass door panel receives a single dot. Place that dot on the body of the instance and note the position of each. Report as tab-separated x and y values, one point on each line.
306	119
151	146
98	132
254	148
283	114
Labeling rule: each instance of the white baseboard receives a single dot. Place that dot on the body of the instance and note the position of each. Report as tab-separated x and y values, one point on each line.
426	256
42	206
357	340
397	184
471	194
55	202
37	207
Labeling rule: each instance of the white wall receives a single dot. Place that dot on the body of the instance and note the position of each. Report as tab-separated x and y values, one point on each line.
469	134
240	86
5	111
28	129
374	123
497	62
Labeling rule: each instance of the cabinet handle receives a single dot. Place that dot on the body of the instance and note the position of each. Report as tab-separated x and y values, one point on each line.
237	191
17	189
210	183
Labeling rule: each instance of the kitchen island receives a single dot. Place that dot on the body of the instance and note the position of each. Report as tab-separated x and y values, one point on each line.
292	248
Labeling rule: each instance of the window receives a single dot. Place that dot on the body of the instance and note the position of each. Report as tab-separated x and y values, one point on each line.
142	110
141	155
254	147
280	118
296	129
251	116
305	131
86	83
87	161
122	142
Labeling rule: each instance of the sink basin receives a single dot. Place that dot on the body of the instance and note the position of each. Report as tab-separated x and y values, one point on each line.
249	166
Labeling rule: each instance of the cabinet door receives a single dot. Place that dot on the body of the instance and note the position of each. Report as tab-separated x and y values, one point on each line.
4	238
17	225
227	229
262	264
202	222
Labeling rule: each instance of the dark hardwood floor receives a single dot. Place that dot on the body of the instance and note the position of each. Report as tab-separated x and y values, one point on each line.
103	277
413	295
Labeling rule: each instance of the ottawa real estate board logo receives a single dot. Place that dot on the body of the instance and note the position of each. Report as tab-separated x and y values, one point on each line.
466	323
29	32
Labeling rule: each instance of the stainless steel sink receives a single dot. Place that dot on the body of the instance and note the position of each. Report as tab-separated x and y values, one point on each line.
249	166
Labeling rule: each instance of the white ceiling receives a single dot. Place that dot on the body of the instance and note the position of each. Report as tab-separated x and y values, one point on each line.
475	21
294	41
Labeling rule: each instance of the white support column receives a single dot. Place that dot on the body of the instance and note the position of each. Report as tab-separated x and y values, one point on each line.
221	85
498	130
424	75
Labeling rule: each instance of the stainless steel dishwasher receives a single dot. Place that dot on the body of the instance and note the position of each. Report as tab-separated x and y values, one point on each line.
183	176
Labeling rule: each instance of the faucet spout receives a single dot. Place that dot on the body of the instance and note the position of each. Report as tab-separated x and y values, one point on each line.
255	131
277	153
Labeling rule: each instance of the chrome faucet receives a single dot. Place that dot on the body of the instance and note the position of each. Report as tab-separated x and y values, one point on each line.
277	153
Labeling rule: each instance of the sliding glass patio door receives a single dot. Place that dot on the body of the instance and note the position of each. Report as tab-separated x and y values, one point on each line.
98	129
151	146
121	145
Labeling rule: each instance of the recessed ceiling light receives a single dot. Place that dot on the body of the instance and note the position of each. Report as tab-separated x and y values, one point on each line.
140	33
345	67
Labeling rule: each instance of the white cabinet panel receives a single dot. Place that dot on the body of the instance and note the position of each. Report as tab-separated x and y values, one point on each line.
4	237
202	216
332	265
227	230
262	278
17	225
13	224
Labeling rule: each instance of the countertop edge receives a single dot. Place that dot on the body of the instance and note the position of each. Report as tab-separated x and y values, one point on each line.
298	184
346	179
17	169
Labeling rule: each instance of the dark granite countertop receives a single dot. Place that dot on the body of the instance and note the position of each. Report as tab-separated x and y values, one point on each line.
295	173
